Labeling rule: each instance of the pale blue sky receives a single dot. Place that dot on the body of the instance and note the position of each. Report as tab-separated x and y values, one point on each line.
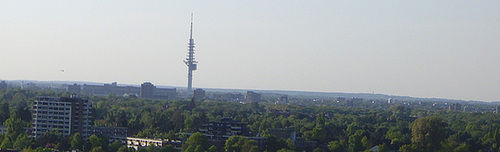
447	49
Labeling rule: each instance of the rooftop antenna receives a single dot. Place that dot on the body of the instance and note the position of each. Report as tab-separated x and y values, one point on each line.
190	60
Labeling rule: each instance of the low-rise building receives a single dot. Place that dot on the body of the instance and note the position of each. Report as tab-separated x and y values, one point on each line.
224	128
110	131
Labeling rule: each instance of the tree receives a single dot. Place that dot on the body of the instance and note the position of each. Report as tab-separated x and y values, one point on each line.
234	143
273	144
177	119
6	143
212	148
49	138
4	112
42	149
383	148
151	148
123	149
285	150
115	146
409	148
22	142
428	133
97	142
240	144
22	112
76	142
14	127
97	149
195	140
355	141
248	144
335	146
365	141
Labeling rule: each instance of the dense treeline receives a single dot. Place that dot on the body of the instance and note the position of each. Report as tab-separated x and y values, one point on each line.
333	128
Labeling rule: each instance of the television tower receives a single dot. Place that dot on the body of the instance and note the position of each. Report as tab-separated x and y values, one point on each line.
190	61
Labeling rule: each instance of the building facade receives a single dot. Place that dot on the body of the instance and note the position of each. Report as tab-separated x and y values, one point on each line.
199	94
165	93
147	90
253	96
66	115
75	88
224	128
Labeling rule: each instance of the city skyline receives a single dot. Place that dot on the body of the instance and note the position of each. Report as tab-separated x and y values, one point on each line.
445	49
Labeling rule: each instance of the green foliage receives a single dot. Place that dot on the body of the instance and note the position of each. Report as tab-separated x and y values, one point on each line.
98	143
273	144
76	141
212	148
355	143
240	144
248	145
115	146
22	142
124	149
336	146
285	150
383	148
330	125
6	143
97	149
195	140
428	133
234	143
42	149
318	150
4	112
409	148
15	127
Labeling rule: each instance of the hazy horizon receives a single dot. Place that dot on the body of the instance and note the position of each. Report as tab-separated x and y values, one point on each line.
431	49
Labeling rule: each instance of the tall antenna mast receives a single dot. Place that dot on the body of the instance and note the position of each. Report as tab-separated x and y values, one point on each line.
190	61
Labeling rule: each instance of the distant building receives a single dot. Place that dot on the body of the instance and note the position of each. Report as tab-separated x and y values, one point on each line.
466	109
283	99
253	96
497	109
138	143
109	89
354	99
66	115
147	90
224	128
340	99
199	94
391	101
110	131
3	130
74	88
455	107
165	93
233	97
283	133
3	85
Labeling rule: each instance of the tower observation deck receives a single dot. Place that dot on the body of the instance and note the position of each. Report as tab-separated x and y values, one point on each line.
190	60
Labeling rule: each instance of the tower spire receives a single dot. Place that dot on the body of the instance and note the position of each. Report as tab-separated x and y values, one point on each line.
190	60
191	31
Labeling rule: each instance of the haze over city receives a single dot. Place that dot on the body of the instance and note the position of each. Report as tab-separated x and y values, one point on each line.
445	49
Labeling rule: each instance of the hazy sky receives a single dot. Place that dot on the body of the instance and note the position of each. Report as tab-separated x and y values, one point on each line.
428	48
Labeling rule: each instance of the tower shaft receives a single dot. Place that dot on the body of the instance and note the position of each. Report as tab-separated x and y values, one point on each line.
190	60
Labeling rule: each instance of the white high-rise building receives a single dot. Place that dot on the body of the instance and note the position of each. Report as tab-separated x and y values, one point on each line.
66	115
